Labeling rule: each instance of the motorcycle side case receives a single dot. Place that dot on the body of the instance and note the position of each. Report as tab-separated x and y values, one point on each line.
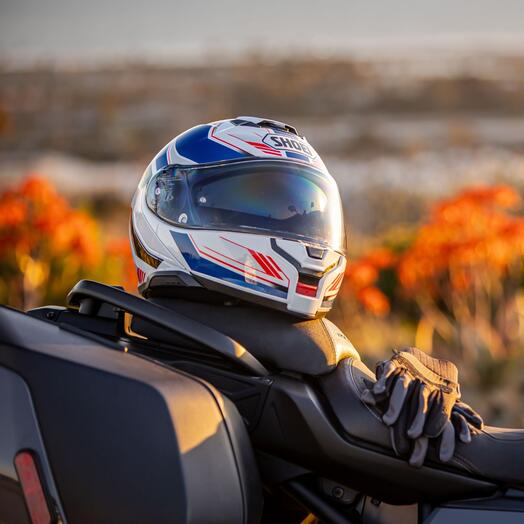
119	438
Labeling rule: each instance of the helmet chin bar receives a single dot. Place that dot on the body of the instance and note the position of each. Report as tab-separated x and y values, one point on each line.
258	300
180	285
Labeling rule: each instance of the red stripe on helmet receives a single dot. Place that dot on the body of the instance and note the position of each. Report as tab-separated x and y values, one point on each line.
273	263
263	263
306	289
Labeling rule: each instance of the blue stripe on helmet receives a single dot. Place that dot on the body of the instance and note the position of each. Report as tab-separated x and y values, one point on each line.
195	145
298	156
161	159
206	267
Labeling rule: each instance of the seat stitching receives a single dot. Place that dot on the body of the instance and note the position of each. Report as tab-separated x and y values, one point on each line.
331	343
352	377
460	460
501	439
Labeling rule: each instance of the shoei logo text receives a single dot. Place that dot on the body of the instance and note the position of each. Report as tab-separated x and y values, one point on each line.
289	144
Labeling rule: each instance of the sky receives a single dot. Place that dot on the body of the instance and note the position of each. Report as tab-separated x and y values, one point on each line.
180	29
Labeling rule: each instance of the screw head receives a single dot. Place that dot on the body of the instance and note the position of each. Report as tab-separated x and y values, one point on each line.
337	492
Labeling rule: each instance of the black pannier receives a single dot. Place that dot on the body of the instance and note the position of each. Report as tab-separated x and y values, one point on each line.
129	440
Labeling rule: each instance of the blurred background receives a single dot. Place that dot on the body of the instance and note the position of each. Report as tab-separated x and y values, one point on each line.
417	109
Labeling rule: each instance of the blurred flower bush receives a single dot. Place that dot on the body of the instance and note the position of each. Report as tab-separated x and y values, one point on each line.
46	247
454	289
464	270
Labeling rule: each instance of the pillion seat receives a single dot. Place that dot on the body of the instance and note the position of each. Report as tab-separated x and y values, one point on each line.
494	454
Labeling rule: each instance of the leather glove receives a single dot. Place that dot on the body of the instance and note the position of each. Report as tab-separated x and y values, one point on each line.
418	397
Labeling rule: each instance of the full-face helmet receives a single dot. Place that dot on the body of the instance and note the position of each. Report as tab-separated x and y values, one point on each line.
241	208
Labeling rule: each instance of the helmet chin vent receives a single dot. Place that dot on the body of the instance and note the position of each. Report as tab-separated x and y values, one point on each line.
307	290
307	285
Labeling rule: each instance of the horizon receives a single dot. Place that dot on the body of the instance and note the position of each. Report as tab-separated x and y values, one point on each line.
64	31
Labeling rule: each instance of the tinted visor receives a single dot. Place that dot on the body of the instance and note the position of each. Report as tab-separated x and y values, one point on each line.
278	198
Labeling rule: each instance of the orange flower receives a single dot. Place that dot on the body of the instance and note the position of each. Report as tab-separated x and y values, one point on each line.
381	258
47	245
13	212
119	247
374	301
361	274
76	236
467	234
120	250
38	189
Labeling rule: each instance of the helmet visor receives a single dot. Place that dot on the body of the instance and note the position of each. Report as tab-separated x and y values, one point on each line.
278	198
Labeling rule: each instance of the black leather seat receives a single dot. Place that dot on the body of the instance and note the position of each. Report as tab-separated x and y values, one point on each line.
496	454
281	342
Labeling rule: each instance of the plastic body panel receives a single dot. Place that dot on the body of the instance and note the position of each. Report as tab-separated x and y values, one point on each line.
130	441
474	516
505	508
18	431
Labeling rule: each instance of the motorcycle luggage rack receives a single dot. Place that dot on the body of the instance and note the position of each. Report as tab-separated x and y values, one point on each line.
88	296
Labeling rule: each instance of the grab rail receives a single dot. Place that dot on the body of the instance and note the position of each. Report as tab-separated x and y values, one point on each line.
175	322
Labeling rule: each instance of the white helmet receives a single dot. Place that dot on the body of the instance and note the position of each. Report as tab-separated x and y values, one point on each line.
243	207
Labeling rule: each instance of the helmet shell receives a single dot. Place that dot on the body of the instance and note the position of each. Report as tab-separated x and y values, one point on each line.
295	276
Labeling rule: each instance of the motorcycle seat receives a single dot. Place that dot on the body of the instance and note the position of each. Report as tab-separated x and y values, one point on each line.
269	335
494	454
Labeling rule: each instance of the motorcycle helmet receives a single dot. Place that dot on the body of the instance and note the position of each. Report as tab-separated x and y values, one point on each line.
241	208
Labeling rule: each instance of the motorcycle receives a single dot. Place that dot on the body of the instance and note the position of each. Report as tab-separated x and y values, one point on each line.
124	410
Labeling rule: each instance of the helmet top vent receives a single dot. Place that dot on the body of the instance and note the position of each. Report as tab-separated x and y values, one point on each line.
259	122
